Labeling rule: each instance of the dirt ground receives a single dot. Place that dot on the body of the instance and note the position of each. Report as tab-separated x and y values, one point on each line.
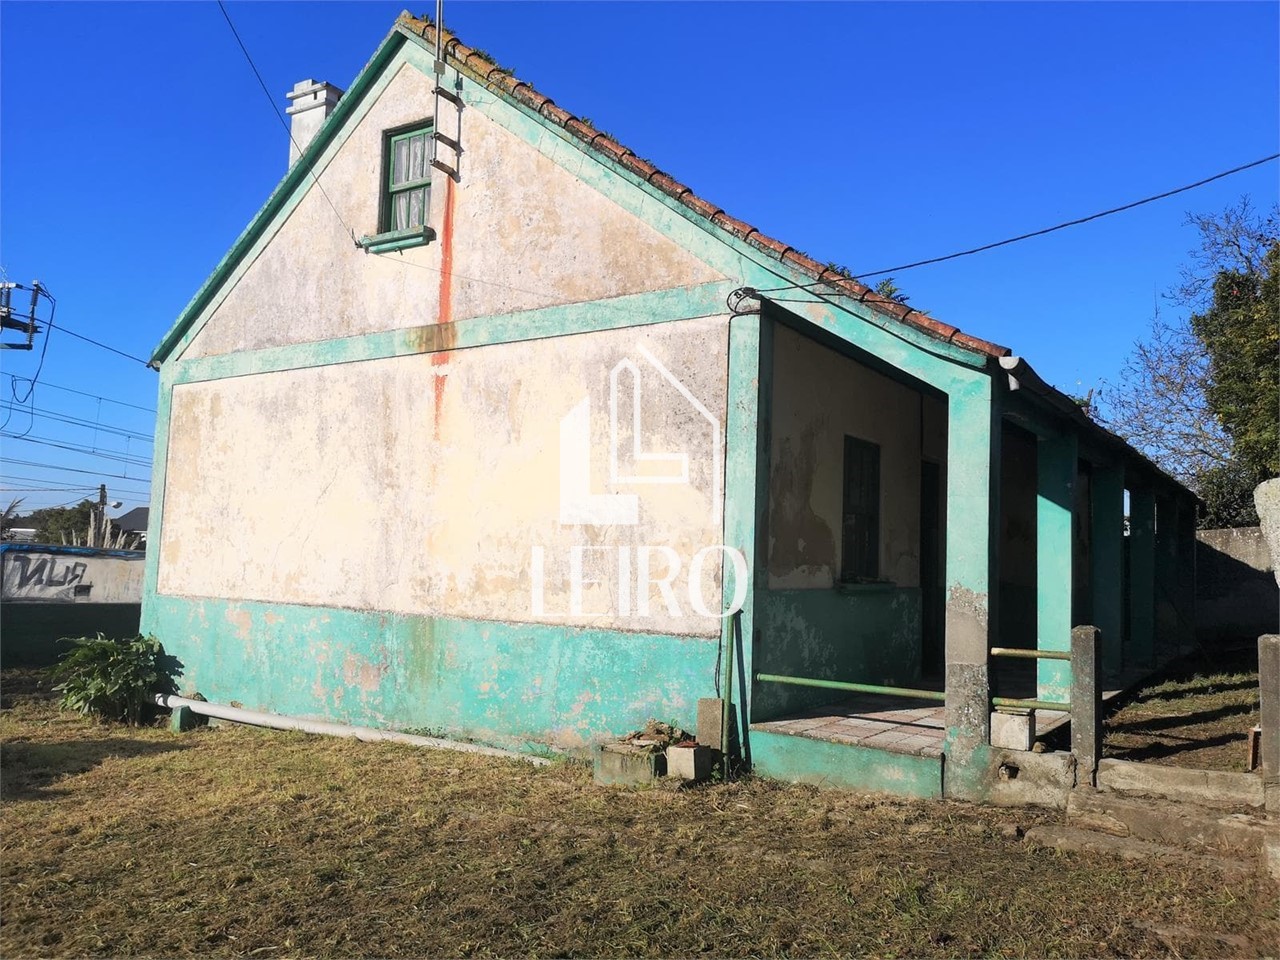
238	842
1197	712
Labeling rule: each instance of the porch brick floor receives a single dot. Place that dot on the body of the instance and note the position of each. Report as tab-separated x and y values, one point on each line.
895	724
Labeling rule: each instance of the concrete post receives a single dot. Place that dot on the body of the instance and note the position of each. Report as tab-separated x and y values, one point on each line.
1141	652
1086	703
1107	574
1186	562
1165	643
973	486
1269	695
1056	480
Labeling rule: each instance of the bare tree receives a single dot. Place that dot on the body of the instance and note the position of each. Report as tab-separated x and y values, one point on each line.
1159	403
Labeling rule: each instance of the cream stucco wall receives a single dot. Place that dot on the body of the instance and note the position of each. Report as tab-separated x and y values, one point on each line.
819	397
421	484
518	232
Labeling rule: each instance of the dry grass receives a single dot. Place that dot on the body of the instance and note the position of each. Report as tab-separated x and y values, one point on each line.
1197	712
240	842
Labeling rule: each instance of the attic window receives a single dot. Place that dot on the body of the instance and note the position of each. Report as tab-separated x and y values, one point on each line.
408	164
406	191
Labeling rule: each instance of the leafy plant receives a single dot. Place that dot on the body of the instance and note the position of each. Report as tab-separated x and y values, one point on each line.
112	679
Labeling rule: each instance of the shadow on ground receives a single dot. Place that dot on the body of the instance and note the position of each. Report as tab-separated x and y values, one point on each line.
29	770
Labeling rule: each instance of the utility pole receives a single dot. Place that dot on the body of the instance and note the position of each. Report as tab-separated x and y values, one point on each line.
100	525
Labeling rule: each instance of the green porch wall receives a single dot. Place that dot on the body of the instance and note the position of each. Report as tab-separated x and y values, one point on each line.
845	765
1107	568
524	686
862	634
1055	545
1142	518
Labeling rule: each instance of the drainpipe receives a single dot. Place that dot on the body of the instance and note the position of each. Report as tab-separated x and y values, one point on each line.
368	734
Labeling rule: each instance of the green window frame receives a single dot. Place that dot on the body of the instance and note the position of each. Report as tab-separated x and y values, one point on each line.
407	180
860	546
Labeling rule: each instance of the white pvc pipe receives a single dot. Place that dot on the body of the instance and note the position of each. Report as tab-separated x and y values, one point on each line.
368	734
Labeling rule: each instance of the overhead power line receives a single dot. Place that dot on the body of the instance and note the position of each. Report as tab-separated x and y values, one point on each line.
280	116
1042	232
97	426
92	473
98	343
66	485
91	396
78	448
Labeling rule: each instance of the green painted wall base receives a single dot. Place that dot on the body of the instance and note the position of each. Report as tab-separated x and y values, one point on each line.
844	765
858	634
29	632
521	686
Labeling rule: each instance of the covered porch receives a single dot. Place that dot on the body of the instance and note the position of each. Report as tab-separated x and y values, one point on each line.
928	534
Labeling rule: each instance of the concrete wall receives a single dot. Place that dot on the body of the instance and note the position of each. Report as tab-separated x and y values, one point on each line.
810	625
35	574
408	486
1236	593
819	397
51	592
517	233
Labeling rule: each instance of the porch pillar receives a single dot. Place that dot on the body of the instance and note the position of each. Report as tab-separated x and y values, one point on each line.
746	502
1142	563
1186	563
1055	542
1107	566
973	471
1165	591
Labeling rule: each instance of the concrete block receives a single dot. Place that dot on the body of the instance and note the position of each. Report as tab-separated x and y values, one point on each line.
710	721
182	719
1013	729
1212	788
690	761
1018	779
623	764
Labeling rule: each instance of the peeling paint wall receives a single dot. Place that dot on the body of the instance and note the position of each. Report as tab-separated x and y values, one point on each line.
412	486
518	232
819	397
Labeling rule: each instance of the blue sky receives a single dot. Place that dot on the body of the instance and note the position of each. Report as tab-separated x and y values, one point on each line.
136	144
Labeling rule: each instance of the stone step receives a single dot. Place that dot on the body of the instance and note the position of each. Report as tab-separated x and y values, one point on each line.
1189	826
1209	788
1076	840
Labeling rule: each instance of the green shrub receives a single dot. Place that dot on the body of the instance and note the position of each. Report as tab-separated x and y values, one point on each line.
112	679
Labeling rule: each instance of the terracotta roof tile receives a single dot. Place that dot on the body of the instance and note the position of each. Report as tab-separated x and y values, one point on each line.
698	205
669	185
607	146
555	114
639	166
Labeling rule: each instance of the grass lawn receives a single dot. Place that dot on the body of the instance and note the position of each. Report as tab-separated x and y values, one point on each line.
246	843
1197	712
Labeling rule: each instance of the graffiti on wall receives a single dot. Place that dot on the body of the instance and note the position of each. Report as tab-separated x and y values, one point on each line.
44	577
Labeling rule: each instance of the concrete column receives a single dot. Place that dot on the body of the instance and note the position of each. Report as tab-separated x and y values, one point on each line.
1056	481
746	509
1106	568
973	471
1141	652
1086	703
1166	579
1186	564
1269	695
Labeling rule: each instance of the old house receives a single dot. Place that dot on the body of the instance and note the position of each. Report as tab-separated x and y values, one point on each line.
487	426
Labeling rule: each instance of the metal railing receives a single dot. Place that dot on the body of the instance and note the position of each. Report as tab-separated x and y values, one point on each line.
910	692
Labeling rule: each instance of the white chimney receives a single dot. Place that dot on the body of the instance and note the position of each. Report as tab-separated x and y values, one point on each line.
312	103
